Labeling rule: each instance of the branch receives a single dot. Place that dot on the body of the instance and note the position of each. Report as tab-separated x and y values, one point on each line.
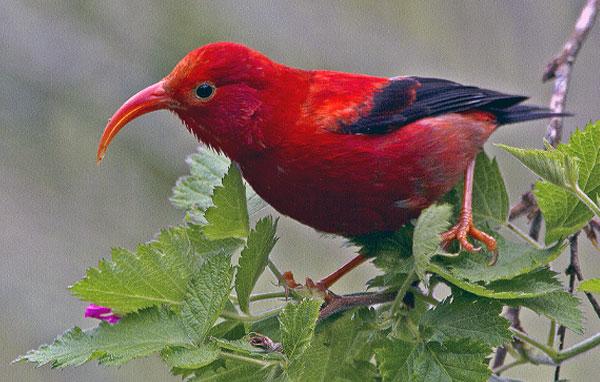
573	263
560	68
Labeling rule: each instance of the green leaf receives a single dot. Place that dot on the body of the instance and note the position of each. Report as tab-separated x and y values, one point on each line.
297	322
559	306
190	358
563	213
254	258
243	346
551	165
466	316
231	371
528	285
207	294
392	253
194	192
157	273
395	360
515	259
462	361
337	353
490	199
136	335
228	217
426	238
590	285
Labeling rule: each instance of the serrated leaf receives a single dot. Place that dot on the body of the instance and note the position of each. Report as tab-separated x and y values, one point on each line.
337	353
426	238
231	371
466	316
228	217
395	359
207	294
462	361
297	323
254	258
190	358
391	252
194	192
243	346
490	199
590	285
563	213
157	273
515	259
559	306
528	285
551	165
136	335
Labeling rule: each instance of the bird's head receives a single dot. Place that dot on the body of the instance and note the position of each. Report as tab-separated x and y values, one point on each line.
218	91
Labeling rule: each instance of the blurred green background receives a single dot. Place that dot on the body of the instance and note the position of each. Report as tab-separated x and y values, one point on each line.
65	66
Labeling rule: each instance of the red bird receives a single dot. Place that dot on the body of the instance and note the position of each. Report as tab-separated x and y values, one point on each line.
349	154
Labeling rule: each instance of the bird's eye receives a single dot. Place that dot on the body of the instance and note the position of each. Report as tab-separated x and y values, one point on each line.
205	91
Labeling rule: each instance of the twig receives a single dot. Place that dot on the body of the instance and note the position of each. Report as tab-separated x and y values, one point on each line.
592	230
339	304
576	271
573	263
526	206
342	303
560	68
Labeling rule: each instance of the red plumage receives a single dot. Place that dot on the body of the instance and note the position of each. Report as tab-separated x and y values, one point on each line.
343	153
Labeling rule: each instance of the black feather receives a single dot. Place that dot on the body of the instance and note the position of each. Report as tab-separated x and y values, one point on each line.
407	99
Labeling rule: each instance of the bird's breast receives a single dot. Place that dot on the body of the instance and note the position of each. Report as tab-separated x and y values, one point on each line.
357	184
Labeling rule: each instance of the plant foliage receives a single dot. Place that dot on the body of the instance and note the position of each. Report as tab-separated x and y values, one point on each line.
179	295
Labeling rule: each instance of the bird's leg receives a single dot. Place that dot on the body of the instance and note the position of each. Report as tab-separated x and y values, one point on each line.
323	285
465	227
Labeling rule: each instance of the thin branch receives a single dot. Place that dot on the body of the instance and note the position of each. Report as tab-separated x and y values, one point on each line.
526	206
592	230
560	68
342	303
573	263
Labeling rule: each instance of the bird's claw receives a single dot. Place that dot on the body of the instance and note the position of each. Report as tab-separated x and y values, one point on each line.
318	288
465	228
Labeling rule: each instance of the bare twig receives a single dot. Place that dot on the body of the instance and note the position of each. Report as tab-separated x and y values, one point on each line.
592	230
573	263
526	206
342	303
560	68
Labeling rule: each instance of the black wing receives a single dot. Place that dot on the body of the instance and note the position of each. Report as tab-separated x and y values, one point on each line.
408	99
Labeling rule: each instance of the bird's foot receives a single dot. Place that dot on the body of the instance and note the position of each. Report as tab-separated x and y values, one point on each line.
319	288
465	228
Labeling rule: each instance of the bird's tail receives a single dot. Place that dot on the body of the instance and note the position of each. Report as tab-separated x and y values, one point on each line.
520	113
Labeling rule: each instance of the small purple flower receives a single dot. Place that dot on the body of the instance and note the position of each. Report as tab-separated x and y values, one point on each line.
102	313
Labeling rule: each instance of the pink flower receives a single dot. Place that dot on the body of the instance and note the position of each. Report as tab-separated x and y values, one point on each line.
102	313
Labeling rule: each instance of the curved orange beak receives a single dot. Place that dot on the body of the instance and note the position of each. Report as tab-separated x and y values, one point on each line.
154	97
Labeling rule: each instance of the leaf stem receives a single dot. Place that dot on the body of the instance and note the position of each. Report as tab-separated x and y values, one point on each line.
398	301
523	235
585	199
552	334
525	338
254	361
579	348
249	318
261	296
563	355
273	268
507	366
